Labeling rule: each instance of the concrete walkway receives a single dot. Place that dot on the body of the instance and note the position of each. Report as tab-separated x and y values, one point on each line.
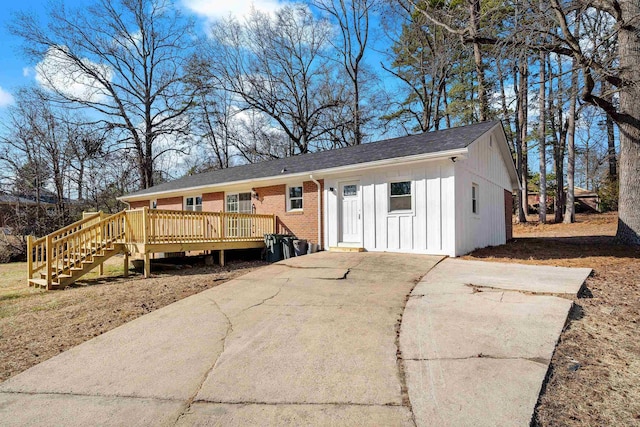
312	341
477	339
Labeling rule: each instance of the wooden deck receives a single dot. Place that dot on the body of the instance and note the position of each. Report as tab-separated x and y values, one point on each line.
62	257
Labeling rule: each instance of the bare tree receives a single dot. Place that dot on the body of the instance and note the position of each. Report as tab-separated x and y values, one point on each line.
352	18
279	66
125	59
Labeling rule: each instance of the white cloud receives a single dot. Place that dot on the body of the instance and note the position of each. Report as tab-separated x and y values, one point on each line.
27	71
212	9
57	72
5	98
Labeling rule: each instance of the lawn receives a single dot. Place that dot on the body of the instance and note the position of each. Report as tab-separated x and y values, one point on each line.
595	373
35	325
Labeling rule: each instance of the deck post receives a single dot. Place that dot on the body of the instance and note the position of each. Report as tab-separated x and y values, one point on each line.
30	256
101	269
49	259
126	263
275	223
147	265
221	258
221	225
145	229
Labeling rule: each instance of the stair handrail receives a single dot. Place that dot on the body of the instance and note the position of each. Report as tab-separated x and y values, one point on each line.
41	253
75	247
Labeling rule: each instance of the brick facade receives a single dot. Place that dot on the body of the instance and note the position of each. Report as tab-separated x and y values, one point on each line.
508	214
303	224
139	204
213	202
170	203
271	200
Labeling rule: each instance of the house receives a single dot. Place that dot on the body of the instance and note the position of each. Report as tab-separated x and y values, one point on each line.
586	201
445	192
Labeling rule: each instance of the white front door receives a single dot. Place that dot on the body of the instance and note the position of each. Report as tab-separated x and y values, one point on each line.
350	215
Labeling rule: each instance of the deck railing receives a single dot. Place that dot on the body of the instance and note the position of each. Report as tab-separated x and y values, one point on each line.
65	248
154	226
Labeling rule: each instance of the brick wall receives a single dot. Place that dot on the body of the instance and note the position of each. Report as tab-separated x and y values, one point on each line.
139	204
304	224
170	203
271	200
508	212
213	202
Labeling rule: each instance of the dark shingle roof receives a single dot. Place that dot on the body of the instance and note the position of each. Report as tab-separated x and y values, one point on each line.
425	143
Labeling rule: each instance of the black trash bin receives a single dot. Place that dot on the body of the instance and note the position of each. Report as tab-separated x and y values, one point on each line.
273	243
300	247
287	247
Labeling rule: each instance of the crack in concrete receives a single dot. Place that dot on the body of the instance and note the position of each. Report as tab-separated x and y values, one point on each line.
481	288
107	396
251	402
264	300
540	360
189	402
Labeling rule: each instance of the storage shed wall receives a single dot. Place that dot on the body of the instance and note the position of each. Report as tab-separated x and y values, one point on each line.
485	167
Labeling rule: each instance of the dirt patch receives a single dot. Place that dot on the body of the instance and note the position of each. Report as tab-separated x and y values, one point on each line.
35	326
595	372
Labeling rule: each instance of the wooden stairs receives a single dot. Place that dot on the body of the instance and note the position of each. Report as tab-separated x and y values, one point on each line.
59	259
63	277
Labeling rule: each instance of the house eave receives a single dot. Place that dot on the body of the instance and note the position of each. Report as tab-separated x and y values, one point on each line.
319	174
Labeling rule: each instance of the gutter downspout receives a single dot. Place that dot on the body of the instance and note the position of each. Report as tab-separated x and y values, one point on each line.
319	211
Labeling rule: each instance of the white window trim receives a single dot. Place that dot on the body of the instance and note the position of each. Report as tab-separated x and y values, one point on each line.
288	198
477	199
184	203
413	198
236	193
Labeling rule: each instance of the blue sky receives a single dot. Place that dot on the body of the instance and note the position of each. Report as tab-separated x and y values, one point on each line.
17	71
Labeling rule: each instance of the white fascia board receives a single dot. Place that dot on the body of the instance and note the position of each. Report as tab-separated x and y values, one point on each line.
319	174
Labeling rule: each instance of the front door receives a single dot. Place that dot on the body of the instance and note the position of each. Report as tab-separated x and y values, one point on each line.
350	215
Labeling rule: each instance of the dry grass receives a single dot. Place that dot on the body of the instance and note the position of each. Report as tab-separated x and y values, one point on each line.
36	325
594	378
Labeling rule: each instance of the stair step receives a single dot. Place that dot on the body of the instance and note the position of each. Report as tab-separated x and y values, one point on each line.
42	283
64	276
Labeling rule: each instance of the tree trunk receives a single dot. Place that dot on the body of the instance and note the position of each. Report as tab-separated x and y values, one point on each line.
542	131
523	120
629	125
474	14
569	214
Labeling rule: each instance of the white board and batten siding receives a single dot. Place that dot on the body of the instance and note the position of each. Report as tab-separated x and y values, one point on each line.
428	227
484	166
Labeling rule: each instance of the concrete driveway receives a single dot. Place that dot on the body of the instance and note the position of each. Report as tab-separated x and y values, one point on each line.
311	341
477	339
323	339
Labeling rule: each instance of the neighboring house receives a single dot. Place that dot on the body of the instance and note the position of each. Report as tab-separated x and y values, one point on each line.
10	205
445	192
586	201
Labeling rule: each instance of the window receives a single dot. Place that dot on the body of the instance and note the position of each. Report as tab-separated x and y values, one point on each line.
239	202
294	198
350	190
193	203
474	199
400	196
154	204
